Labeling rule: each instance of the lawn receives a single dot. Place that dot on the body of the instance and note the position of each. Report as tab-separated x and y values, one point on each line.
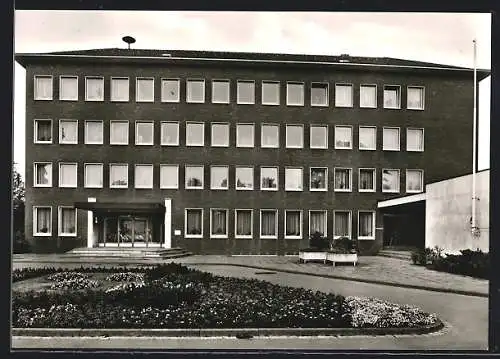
174	296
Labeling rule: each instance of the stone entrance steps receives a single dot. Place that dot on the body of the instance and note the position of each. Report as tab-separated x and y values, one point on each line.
404	255
130	253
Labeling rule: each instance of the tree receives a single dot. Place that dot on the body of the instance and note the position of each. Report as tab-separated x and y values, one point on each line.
20	244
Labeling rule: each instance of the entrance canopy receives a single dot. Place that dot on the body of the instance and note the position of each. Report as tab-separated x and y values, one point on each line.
120	207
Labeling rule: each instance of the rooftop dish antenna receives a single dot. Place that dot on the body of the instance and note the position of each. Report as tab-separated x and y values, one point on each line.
129	40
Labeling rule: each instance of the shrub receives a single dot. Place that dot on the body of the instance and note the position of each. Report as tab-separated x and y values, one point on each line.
343	245
318	241
424	256
471	263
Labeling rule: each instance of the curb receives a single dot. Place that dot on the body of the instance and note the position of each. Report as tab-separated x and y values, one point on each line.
224	332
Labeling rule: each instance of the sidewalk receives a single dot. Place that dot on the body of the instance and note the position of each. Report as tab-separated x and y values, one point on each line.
370	269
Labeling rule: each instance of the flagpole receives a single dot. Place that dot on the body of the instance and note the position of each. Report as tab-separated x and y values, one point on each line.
474	144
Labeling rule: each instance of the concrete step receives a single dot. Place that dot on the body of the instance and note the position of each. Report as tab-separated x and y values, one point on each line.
404	255
139	253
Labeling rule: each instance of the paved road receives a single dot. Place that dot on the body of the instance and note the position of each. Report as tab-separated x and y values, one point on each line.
466	320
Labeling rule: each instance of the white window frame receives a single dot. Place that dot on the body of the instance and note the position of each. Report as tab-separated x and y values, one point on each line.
238	101
335	137
227	178
374	176
86	88
311	140
187	91
241	236
399	180
151	167
325	212
398	88
60	87
266	103
63	142
35	131
253	134
344	84
376	95
422	130
287	145
212	134
178	99
287	189
35	95
301	227
137	80
186	235
423	98
262	135
296	83
359	138
225	81
111	142
373	225
202	178
399	139
111	85
421	180
277	179
59	222
225	235
236	179
177	173
335	189
61	185
275	236
137	123
35	223
85	185
349	219
87	142
162	143
198	144
327	94
119	186
326	180
35	174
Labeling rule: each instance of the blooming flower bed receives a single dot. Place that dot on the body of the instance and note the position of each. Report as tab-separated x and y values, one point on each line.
125	277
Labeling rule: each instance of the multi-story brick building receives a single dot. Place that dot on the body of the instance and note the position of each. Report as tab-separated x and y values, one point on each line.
233	153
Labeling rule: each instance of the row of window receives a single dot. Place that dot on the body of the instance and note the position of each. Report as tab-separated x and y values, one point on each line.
245	135
194	177
195	92
243	223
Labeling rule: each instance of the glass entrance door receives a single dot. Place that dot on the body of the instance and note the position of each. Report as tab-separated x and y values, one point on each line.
125	231
140	231
128	231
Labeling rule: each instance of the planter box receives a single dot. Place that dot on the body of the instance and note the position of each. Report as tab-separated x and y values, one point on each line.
342	258
312	256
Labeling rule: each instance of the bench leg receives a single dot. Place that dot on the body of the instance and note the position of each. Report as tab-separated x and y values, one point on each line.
333	263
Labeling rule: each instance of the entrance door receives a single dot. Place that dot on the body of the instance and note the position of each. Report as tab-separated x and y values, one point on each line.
140	232
125	231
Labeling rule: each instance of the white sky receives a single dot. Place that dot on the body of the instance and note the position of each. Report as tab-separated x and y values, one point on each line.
433	37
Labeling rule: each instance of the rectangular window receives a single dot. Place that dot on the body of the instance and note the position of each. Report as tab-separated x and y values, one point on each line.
94	89
68	88
43	88
220	135
245	135
194	177
367	180
343	180
294	179
294	136
67	221
319	94
343	137
169	176
392	97
218	223
43	131
194	223
170	134
93	175
415	98
368	96
195	91
343	95
143	176
270	136
244	178
367	138
118	175
243	226
318	180
68	175
414	181
366	225
145	90
94	132
43	174
269	178
390	181
270	93
144	133
293	224
220	91
245	92
268	223
219	177
415	139
68	132
319	137
170	90
195	134
390	139
295	94
118	133
342	224
119	89
317	223
42	221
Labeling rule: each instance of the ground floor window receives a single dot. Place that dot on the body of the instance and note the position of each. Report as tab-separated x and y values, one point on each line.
268	223
342	224
317	222
42	221
194	223
67	221
243	223
293	224
366	225
218	223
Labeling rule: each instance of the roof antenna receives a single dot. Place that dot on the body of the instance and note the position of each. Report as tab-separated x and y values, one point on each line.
129	40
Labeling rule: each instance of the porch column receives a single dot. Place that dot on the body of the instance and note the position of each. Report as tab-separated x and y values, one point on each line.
167	233
90	225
